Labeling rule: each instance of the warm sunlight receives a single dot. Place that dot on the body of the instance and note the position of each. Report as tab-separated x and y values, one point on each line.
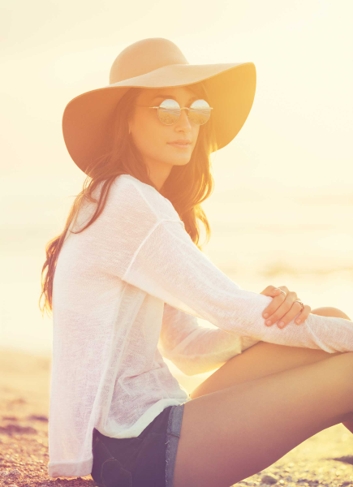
281	212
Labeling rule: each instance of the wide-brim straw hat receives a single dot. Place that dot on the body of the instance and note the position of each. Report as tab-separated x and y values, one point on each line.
157	63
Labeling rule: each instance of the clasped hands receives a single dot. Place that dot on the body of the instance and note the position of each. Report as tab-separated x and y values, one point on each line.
284	307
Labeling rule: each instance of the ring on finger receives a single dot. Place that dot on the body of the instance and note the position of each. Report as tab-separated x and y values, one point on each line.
301	304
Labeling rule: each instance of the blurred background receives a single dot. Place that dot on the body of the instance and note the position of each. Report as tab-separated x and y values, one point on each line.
282	209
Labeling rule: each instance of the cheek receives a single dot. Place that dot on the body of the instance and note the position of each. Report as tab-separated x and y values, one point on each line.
145	136
196	134
151	138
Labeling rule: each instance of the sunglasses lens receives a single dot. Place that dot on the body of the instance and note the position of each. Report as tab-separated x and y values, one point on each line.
200	112
169	111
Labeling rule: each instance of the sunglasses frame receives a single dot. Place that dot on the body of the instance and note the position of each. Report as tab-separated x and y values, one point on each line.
160	109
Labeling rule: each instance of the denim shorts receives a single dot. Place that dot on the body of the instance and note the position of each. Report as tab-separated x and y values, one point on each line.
146	460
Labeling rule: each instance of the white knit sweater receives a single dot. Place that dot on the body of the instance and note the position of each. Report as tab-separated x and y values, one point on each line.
127	291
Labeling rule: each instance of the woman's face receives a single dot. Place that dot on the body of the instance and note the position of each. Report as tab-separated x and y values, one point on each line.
163	146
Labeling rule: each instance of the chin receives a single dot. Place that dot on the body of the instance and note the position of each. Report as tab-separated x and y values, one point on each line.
181	161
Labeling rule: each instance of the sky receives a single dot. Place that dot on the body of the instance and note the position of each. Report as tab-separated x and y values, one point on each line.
289	168
297	136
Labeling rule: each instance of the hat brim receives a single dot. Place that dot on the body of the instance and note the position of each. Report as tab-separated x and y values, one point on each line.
230	89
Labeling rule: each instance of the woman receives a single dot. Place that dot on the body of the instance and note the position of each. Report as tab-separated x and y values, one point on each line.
130	281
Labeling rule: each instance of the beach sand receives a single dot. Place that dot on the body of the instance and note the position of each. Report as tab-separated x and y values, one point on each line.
326	459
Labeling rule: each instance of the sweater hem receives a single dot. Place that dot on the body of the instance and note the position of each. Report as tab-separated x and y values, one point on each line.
70	469
83	468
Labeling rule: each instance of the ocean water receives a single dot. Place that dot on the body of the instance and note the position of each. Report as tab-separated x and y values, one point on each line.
305	243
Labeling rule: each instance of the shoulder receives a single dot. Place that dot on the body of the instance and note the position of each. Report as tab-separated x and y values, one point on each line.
131	193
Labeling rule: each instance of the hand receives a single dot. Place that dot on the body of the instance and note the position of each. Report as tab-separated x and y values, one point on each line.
283	307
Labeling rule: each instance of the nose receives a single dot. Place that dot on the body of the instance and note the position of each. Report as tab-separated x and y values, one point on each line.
183	123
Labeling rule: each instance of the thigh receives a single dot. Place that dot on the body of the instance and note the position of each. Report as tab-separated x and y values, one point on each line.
264	359
231	434
258	361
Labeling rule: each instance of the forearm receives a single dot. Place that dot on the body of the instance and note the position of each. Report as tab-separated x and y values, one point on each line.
192	347
208	351
171	268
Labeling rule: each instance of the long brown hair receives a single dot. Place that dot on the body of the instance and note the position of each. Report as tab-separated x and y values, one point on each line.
186	186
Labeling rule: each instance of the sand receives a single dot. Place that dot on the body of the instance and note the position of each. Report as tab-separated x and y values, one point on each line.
326	459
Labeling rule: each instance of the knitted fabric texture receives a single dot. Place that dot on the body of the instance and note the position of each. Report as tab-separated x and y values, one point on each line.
127	292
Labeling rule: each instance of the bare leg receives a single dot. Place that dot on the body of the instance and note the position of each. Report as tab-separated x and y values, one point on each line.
241	428
264	359
229	435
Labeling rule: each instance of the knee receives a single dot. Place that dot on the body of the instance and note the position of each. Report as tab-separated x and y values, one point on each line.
329	311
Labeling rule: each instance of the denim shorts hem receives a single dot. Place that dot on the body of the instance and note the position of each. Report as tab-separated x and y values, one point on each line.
172	440
148	459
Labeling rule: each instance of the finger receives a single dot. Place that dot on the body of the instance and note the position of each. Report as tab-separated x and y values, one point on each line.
279	307
292	313
271	291
282	309
293	295
284	288
303	315
276	302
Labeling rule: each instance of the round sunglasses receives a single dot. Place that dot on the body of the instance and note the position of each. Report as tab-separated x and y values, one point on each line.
169	111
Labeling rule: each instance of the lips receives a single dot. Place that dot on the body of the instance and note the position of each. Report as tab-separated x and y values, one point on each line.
181	142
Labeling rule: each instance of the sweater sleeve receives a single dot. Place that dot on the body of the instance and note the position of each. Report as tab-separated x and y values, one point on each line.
194	348
169	266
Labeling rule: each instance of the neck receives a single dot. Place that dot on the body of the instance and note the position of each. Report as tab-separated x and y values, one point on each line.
158	173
